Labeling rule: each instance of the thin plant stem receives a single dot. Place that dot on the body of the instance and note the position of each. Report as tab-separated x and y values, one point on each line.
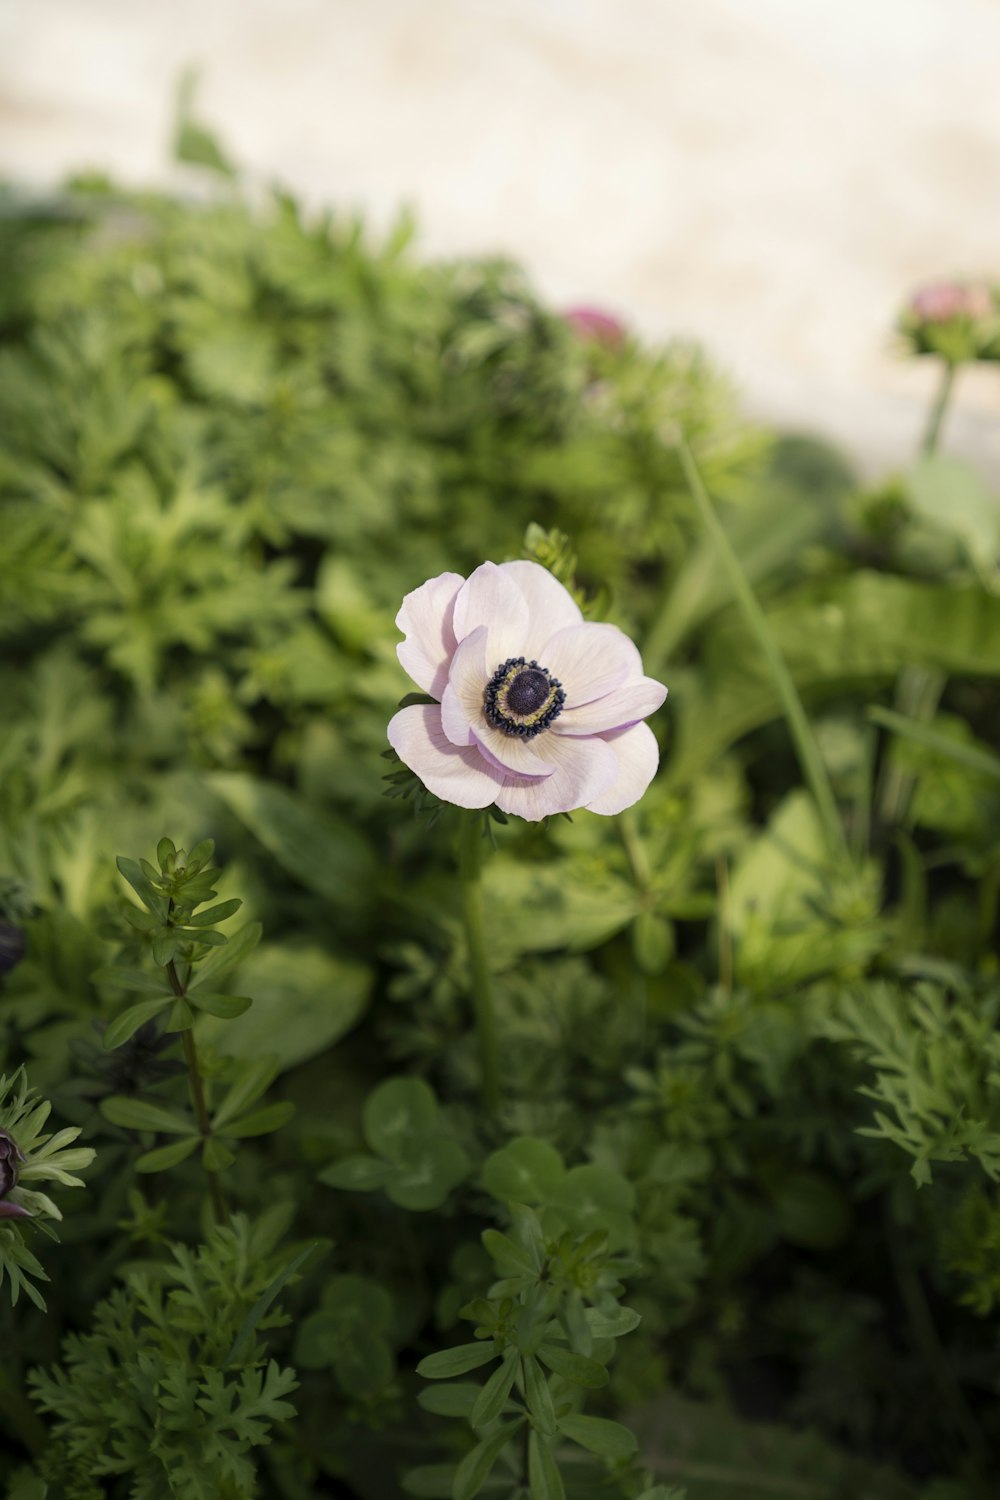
939	406
198	1098
725	933
806	748
470	866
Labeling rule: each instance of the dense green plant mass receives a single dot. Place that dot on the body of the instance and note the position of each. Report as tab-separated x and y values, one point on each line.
750	1079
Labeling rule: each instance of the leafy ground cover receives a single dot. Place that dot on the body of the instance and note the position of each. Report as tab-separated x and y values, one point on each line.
740	1191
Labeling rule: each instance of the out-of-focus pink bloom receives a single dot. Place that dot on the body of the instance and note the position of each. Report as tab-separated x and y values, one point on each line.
592	323
536	710
941	301
10	1156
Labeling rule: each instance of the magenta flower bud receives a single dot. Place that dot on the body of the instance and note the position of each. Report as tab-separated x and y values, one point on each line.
592	323
11	947
10	1156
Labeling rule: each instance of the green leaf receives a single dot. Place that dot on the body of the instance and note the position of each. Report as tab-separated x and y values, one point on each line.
140	883
611	1323
475	1468
357	1173
526	1170
128	1023
430	1481
538	1396
246	1329
576	1368
325	854
450	1400
447	1363
217	965
226	1007
139	1114
493	1396
610	1440
395	1113
215	1156
213	914
132	979
163	1157
261	1121
543	1471
425	1180
511	1259
304	1000
254	1081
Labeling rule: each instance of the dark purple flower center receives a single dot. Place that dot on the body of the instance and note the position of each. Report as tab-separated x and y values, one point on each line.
522	698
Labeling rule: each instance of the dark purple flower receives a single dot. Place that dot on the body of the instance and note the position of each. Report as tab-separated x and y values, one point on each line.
10	1156
11	947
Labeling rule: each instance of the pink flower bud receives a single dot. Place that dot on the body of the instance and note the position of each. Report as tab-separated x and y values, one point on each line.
591	323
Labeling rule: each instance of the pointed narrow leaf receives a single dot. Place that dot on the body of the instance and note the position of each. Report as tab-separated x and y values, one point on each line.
261	1121
255	1079
493	1396
214	914
538	1395
543	1472
607	1439
475	1468
226	1007
573	1367
128	1023
447	1363
140	1114
208	973
132	979
167	1156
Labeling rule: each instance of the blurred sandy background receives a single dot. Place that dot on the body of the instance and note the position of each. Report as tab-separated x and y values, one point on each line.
771	176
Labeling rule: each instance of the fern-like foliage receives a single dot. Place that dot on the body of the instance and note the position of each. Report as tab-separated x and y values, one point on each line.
168	1388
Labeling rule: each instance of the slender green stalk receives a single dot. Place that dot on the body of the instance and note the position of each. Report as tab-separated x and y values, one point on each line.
198	1098
936	415
470	865
803	738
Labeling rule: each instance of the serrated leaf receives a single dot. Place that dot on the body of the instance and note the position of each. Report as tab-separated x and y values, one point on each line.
447	1363
128	1023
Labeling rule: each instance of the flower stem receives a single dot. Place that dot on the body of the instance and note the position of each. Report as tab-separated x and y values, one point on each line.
470	864
936	415
803	738
198	1098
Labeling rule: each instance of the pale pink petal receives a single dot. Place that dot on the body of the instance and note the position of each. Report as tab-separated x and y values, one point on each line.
455	775
582	770
590	661
638	756
425	618
551	607
492	598
508	752
462	700
623	706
